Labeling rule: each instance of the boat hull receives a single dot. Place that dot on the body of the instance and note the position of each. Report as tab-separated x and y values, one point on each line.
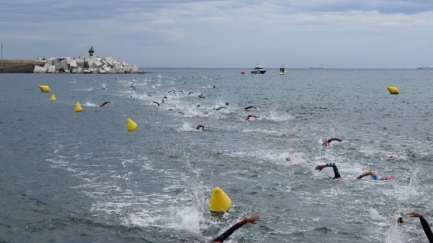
258	72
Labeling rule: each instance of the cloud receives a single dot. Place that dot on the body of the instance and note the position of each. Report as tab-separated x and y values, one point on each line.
223	33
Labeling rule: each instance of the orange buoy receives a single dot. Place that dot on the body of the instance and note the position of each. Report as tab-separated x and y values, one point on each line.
243	72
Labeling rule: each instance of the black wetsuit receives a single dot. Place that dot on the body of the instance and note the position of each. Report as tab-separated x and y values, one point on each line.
334	167
427	229
332	139
222	237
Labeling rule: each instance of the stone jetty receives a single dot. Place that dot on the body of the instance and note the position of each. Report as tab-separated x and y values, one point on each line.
90	64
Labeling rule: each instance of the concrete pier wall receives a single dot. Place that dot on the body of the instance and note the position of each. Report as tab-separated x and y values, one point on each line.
19	66
93	64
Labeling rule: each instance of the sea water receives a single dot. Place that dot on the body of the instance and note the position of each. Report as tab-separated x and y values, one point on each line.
82	177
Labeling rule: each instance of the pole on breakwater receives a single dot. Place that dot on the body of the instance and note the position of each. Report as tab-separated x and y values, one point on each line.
3	69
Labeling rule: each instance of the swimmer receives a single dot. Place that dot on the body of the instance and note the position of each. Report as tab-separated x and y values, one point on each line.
249	107
219	108
398	219
156	103
169	109
249	116
328	142
222	237
288	159
180	112
425	225
201	96
391	157
200	126
198	105
103	104
375	176
227	103
190	93
334	167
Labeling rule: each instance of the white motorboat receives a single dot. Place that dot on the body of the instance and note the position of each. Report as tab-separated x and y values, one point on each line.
258	70
283	70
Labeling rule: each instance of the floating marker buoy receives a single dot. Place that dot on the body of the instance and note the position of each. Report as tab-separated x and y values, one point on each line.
53	98
243	72
45	88
219	202
393	90
78	107
131	125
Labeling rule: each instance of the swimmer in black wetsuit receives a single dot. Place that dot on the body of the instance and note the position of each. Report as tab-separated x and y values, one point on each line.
425	225
328	142
222	237
336	173
156	103
249	107
103	104
249	116
219	108
200	126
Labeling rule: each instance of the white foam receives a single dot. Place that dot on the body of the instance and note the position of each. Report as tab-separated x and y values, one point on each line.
394	235
90	104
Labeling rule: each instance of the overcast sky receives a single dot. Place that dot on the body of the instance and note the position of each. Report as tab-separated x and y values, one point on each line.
224	34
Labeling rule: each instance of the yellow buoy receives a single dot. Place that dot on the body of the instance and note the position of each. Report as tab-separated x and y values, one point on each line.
393	90
219	202
45	88
132	126
78	107
53	98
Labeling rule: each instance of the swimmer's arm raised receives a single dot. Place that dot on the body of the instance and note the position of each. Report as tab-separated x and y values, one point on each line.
232	229
426	227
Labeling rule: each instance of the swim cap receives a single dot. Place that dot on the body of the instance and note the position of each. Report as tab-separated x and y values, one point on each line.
388	178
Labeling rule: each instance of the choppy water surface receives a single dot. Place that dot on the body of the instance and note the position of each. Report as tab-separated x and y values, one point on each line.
81	177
